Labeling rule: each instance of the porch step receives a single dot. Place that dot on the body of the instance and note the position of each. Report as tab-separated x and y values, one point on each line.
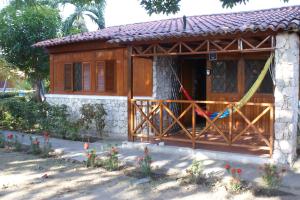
199	153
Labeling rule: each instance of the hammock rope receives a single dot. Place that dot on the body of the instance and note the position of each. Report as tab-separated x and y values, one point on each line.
239	104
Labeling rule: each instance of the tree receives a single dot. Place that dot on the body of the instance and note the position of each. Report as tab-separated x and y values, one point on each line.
173	6
75	22
19	30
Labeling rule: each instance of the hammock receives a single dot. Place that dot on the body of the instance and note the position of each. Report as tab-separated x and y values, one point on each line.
239	104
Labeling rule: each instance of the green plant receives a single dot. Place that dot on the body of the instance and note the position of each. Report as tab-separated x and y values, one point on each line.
17	144
93	114
112	162
195	171
47	148
2	140
91	158
144	163
235	183
35	146
272	175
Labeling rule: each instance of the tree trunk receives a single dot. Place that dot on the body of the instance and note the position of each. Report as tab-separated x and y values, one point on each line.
38	88
5	85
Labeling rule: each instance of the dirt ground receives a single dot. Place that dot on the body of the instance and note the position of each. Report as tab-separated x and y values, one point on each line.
21	179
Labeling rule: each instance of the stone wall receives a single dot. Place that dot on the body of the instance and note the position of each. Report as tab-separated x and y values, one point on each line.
286	97
115	106
165	85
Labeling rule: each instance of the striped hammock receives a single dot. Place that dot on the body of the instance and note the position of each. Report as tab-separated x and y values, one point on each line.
239	104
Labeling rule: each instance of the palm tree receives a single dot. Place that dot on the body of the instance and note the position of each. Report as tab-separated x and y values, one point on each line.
95	11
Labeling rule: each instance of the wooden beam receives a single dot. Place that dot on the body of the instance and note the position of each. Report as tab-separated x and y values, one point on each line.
130	92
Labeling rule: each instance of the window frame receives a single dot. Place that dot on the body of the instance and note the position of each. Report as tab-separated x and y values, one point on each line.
64	76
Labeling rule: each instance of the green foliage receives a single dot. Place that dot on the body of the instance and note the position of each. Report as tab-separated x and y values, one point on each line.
91	158
35	146
112	162
93	114
173	6
161	6
19	113
195	171
272	175
8	95
2	140
56	121
75	23
20	28
17	144
144	163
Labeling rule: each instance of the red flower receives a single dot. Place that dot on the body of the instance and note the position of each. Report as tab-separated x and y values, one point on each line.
239	171
227	166
89	155
146	151
114	150
36	142
233	171
86	146
10	136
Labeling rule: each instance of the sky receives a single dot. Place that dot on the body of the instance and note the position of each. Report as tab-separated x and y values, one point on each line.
120	12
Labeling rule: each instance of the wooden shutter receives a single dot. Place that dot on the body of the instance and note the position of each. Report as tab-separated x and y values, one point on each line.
77	77
86	77
110	76
100	71
68	77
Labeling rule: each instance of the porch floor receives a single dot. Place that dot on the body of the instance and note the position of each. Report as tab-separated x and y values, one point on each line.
249	143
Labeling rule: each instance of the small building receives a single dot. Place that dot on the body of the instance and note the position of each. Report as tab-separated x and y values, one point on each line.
163	80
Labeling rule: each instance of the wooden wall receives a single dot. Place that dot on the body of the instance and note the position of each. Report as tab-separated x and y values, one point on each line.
142	73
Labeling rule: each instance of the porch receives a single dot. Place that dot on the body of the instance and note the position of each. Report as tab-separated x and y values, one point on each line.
217	72
241	131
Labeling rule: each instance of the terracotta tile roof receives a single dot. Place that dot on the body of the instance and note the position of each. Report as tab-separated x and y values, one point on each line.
284	18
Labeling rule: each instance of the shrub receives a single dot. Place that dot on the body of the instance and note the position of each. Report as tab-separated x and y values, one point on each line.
112	162
2	140
35	146
8	95
272	175
144	163
235	183
47	148
17	144
56	121
93	114
91	158
195	171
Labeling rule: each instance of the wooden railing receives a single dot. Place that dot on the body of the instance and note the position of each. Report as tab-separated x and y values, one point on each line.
176	120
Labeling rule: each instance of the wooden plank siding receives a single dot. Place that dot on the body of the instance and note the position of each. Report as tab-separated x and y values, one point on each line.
115	58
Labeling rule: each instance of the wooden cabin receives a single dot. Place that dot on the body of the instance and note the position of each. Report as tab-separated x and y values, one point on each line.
156	78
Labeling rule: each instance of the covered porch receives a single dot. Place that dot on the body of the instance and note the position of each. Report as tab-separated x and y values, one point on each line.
213	71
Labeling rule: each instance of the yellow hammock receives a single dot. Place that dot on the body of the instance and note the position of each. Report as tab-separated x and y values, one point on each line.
250	92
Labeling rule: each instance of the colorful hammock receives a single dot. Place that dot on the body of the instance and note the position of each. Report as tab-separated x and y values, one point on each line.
239	104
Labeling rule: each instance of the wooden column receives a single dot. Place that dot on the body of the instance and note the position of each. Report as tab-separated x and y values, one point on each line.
130	92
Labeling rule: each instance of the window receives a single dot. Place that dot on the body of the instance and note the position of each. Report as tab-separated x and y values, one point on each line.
105	71
224	76
100	76
77	77
68	77
86	77
110	76
252	71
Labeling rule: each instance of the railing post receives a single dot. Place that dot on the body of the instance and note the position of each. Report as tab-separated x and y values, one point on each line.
161	118
193	126
230	124
271	130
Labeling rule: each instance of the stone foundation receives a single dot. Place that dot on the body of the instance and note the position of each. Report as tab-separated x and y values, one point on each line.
286	97
115	106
